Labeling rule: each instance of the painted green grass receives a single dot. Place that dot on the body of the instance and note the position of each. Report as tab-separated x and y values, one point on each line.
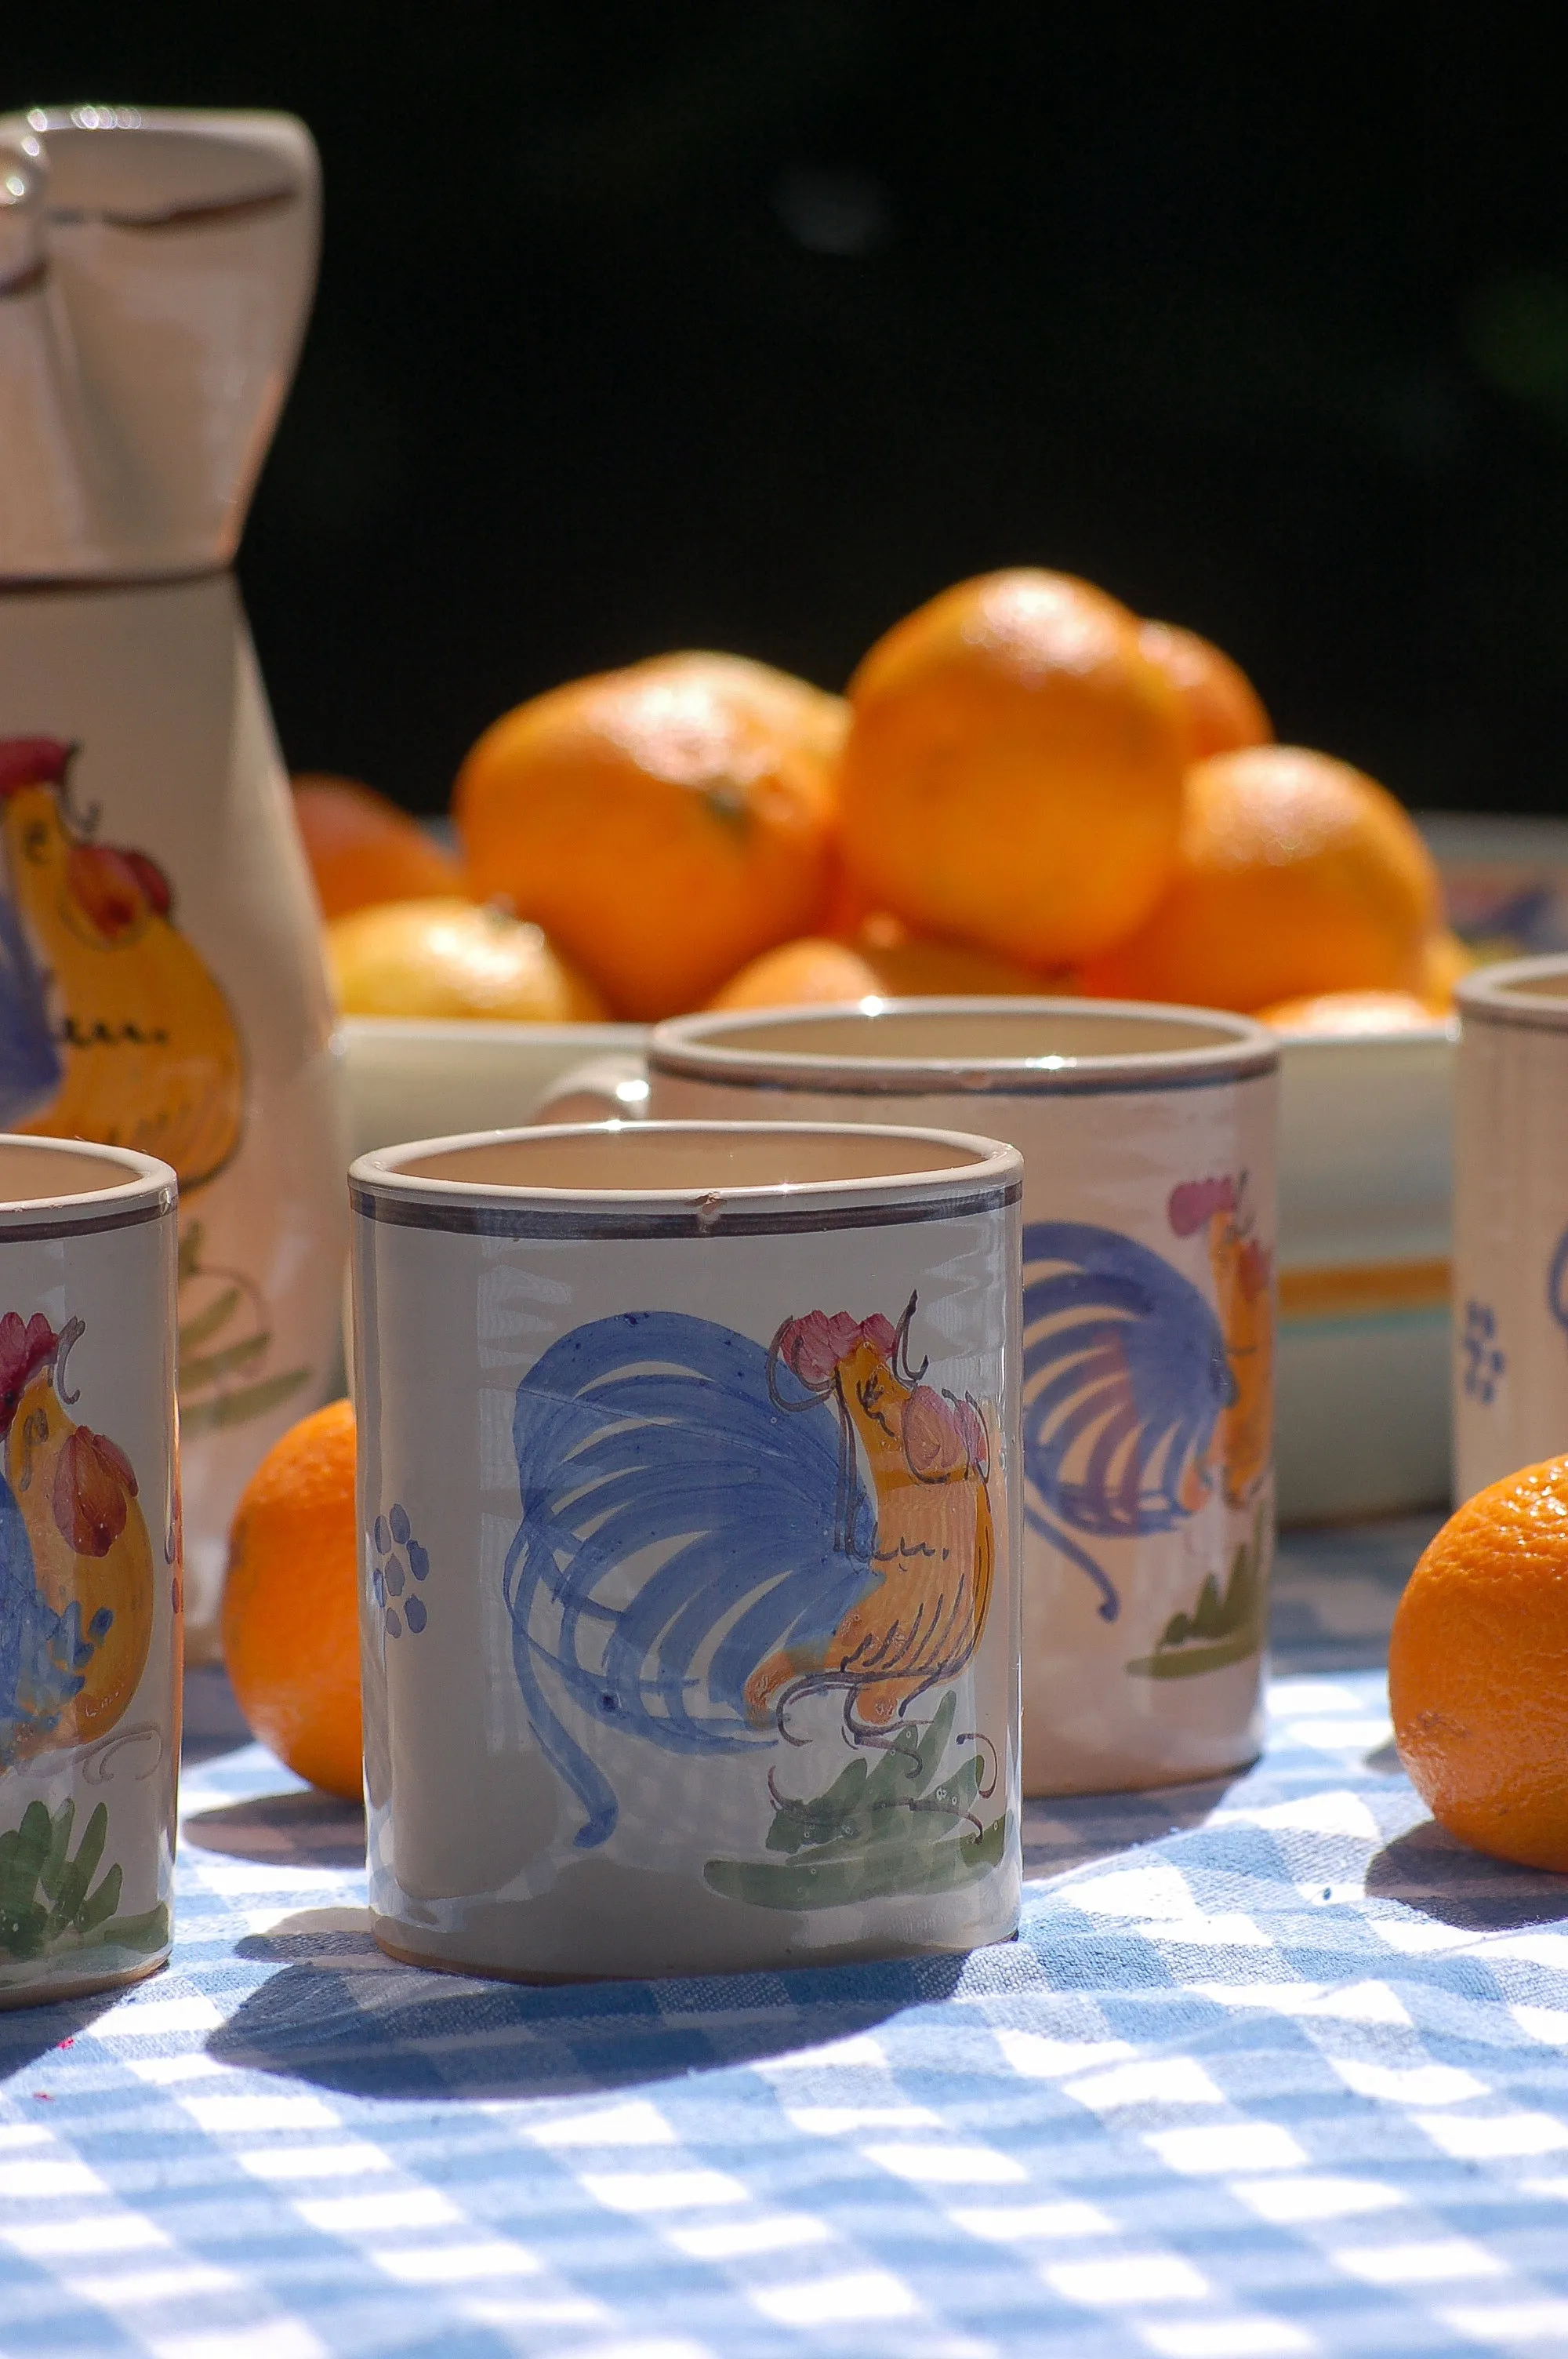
49	1903
881	1831
1223	1627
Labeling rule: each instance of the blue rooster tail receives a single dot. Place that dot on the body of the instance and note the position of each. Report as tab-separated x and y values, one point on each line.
29	1060
43	1655
689	1512
1110	1605
1556	1273
562	1751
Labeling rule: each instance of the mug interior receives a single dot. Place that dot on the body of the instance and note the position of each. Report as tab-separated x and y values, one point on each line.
967	1036
38	1172
1538	986
642	1158
1532	991
1056	1042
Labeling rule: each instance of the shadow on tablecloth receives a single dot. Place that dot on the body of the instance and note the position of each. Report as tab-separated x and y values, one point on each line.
341	2016
1427	1870
310	1829
337	2013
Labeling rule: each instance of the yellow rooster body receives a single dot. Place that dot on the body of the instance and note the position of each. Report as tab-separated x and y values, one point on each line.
148	1053
934	1554
76	1584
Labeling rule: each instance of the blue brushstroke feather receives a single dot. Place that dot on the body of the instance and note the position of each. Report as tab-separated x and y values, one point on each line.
1124	1375
30	1059
653	1429
43	1655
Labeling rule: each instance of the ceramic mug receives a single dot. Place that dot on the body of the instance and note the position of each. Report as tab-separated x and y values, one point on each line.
1511	1222
89	1567
1149	1313
688	1513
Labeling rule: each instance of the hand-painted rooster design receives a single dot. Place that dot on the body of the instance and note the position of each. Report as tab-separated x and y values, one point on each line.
1244	1296
111	1026
1137	1397
699	1547
76	1566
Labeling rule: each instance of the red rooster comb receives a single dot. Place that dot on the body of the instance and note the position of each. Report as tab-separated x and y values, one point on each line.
24	1350
32	762
1194	1203
812	1347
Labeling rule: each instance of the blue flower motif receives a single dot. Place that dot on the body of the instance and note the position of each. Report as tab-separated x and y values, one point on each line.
1483	1361
399	1559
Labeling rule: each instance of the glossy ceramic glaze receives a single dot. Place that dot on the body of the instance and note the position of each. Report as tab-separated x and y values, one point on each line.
1511	1222
688	1508
161	982
90	1571
1148	1143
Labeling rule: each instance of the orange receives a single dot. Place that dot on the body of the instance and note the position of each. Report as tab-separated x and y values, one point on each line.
1349	1014
850	907
663	824
1221	707
1479	1670
291	1631
453	958
1014	771
1297	874
818	970
1445	961
809	716
363	848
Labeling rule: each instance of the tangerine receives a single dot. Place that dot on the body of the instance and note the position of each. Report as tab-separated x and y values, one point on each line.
1221	707
291	1632
1350	1014
1296	875
1479	1670
454	959
819	971
810	717
665	824
1012	775
364	850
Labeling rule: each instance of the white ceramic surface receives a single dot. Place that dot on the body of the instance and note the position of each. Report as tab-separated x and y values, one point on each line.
90	1571
689	1527
411	1080
161	982
1148	1140
1511	1222
1362	1423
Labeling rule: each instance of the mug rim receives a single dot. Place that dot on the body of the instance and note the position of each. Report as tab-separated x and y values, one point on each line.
697	1048
1492	995
991	1177
149	1190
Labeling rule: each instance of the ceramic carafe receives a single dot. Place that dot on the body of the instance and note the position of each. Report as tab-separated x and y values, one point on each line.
161	981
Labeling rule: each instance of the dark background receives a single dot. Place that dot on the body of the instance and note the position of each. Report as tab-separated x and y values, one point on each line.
752	323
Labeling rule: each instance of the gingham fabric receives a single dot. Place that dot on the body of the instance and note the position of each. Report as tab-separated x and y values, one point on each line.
1273	2069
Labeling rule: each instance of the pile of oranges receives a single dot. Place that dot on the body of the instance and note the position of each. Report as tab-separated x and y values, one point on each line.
1024	788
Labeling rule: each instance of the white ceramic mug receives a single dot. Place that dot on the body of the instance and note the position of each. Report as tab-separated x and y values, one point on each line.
688	1513
1148	1143
89	1567
1511	1222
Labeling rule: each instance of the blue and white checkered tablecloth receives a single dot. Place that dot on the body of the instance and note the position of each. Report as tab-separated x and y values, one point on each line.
1274	2068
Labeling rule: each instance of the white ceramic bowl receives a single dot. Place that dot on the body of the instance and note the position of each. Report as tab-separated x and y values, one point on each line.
1364	1188
410	1080
1364	1224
